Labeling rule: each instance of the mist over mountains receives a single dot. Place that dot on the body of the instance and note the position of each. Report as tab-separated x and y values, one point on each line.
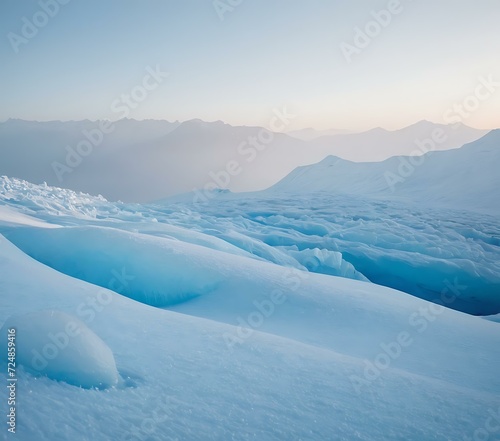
461	178
139	161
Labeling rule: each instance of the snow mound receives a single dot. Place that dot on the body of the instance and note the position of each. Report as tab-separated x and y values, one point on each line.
152	270
63	348
289	376
11	217
48	199
426	252
326	262
421	250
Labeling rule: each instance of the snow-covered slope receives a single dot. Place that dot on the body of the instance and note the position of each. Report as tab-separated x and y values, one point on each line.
413	248
269	352
464	178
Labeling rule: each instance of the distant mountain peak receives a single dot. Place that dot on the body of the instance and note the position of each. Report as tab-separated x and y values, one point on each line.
197	122
423	123
377	130
329	160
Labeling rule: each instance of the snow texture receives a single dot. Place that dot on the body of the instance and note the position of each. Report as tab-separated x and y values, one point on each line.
255	334
63	348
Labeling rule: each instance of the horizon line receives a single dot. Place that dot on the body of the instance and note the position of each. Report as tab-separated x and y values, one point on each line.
348	131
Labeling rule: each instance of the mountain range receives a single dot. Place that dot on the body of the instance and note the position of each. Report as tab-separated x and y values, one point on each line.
463	178
140	161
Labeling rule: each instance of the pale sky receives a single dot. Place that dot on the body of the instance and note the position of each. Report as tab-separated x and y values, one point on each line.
263	55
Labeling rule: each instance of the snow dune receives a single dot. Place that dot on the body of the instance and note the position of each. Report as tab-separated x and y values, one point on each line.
230	320
181	378
413	248
425	251
63	348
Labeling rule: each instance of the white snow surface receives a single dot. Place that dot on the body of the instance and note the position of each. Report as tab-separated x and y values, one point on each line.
249	344
464	178
63	348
